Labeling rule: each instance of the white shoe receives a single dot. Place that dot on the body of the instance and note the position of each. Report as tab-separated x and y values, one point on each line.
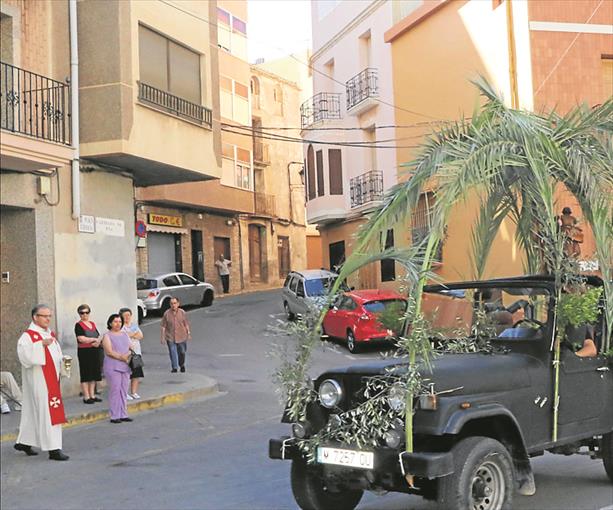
5	409
135	396
129	397
17	407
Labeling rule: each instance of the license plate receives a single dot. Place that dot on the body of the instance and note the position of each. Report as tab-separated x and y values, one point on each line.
349	458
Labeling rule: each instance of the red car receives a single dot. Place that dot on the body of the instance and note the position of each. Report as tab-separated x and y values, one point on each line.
353	316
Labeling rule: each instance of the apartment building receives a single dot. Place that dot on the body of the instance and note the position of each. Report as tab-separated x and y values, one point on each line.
348	170
540	55
146	78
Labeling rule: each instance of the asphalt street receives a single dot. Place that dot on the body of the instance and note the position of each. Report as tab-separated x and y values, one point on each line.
212	453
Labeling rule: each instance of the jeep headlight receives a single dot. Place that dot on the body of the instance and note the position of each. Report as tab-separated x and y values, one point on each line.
396	398
330	393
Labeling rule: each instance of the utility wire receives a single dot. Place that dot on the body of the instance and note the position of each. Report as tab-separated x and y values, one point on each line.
303	63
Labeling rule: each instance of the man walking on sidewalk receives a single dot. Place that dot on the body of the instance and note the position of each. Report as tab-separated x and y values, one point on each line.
223	268
175	333
42	411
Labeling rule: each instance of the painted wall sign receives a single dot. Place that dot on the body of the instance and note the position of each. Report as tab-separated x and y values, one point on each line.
141	228
164	219
87	224
110	227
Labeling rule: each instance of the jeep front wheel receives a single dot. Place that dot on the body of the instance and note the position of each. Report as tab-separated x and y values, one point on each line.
483	477
607	454
311	493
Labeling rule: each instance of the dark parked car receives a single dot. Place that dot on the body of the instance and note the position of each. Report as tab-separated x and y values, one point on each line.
487	413
353	317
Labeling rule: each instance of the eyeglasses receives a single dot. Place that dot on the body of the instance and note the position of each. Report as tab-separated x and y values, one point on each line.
43	315
84	312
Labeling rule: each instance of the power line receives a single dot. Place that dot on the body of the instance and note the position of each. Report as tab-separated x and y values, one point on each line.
417	125
303	63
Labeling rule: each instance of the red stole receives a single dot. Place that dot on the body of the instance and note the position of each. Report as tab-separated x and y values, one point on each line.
56	404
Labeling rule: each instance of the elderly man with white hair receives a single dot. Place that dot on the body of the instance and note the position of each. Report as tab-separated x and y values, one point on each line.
42	412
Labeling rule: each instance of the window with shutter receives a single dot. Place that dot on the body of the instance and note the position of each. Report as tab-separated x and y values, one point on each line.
311	172
335	168
421	222
320	174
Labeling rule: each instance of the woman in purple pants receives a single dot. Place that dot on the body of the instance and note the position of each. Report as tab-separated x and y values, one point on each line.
117	345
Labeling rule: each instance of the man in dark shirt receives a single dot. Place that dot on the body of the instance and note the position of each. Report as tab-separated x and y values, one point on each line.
175	333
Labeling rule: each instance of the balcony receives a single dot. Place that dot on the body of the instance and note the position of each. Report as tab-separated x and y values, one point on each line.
265	204
35	121
366	188
322	106
175	105
34	105
362	91
261	153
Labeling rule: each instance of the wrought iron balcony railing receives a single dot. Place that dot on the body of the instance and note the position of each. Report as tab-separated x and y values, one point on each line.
34	105
366	188
174	104
361	87
322	106
265	204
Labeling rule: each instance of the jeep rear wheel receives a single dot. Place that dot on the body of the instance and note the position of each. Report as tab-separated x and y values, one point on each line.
607	454
483	477
311	493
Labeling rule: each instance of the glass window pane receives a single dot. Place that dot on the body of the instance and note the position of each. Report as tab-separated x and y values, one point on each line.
243	155
239	26
223	16
241	90
152	48
184	72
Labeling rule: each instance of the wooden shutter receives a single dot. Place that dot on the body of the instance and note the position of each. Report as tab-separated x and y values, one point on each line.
336	171
320	173
311	172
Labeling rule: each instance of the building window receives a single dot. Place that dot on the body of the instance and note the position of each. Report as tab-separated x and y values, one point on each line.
255	91
221	246
223	16
388	266
231	33
607	77
234	100
421	222
238	25
320	173
237	163
169	66
311	172
335	169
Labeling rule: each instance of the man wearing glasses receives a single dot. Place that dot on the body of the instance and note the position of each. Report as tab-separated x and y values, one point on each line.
42	412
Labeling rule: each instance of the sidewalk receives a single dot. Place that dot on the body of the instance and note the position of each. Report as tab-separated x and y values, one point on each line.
159	388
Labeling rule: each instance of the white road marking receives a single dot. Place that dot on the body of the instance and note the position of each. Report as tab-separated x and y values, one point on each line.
350	357
230	355
610	507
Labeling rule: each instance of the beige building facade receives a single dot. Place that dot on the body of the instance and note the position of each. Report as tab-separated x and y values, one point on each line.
68	235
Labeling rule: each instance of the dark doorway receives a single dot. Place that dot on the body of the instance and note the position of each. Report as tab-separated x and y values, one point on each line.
284	256
388	266
178	255
255	253
197	255
337	255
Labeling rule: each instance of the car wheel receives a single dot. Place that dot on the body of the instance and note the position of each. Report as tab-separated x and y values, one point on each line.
352	345
311	493
288	313
207	298
483	477
165	306
607	454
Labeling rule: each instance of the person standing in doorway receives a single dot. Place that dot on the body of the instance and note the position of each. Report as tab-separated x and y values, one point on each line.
42	412
223	268
88	352
175	333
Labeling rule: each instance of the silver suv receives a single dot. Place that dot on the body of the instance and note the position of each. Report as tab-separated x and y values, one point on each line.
156	290
306	290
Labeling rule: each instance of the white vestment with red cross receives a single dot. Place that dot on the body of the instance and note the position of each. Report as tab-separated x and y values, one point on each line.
42	411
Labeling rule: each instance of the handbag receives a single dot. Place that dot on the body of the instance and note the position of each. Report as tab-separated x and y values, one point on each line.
136	361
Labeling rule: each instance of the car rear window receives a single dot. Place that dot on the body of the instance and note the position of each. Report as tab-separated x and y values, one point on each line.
379	306
145	283
318	286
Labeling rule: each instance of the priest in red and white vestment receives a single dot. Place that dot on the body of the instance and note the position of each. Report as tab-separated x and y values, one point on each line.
42	412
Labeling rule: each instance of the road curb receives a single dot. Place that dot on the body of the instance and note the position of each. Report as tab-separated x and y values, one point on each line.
133	407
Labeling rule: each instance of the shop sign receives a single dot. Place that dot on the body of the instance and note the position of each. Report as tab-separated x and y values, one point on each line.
110	227
163	219
87	224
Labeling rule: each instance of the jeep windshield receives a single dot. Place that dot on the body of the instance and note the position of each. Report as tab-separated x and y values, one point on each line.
321	286
495	312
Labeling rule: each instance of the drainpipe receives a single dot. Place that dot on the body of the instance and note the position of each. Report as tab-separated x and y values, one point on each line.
240	250
512	56
74	106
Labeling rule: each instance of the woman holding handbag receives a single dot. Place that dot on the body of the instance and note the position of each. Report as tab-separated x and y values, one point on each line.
88	352
136	335
117	345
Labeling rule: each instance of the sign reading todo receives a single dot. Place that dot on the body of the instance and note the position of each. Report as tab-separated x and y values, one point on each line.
163	219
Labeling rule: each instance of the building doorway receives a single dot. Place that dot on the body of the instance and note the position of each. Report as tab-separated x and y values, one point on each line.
337	255
197	255
284	256
164	252
255	253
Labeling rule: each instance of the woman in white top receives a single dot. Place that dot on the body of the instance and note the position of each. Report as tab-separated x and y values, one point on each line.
136	335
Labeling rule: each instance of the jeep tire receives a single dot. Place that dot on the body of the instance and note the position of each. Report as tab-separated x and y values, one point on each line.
311	493
607	454
483	477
